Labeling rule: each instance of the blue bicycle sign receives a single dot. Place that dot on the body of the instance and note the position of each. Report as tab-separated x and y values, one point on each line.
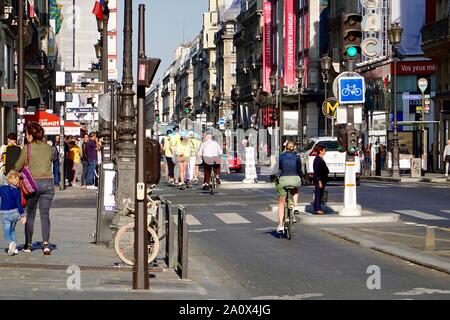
351	90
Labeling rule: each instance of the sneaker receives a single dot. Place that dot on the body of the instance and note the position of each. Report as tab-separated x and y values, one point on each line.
206	187
46	250
280	229
218	181
12	248
170	180
27	248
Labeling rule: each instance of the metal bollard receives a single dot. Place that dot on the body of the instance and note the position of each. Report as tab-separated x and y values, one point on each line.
169	257
182	243
430	240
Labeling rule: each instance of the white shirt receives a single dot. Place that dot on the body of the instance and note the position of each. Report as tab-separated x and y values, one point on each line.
210	148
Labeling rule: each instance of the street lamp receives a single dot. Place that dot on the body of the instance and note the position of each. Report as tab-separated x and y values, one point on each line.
300	73
173	88
237	91
395	32
255	86
325	64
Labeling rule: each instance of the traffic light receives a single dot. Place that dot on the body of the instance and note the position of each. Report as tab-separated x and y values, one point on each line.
276	115
157	117
352	141
351	36
187	106
228	124
342	137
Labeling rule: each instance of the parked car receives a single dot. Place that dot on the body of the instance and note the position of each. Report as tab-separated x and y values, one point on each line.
234	162
335	160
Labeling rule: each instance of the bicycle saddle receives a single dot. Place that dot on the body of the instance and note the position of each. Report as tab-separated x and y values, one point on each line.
289	188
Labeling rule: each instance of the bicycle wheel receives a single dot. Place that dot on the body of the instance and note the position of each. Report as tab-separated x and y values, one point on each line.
124	244
288	223
212	184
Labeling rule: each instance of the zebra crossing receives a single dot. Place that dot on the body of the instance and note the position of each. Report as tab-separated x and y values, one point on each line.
270	217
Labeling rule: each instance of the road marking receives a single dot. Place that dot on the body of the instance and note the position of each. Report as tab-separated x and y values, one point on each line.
202	231
420	215
192	221
375	186
422	291
446	211
270	215
231	218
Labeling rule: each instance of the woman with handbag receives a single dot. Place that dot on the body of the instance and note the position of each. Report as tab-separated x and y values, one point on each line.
447	158
35	163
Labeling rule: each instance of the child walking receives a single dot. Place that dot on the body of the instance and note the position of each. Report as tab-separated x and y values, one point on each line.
11	210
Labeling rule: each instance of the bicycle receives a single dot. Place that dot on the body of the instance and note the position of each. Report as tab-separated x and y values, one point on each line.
351	90
289	218
213	179
124	240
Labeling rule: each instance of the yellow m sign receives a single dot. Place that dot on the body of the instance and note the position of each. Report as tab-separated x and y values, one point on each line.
332	108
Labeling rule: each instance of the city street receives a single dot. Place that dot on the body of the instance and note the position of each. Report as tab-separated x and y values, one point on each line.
232	238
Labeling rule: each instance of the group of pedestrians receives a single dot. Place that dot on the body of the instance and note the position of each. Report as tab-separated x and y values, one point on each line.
81	157
40	158
36	157
185	150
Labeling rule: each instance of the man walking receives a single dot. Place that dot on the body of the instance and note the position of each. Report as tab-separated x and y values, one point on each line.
91	152
447	158
84	160
56	152
9	154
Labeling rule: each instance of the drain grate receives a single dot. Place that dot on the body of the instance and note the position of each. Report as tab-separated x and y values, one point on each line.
57	267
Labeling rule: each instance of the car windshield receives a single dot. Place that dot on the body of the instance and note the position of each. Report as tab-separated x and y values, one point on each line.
330	145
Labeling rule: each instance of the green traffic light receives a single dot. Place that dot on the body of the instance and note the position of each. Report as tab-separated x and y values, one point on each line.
352	150
341	149
352	52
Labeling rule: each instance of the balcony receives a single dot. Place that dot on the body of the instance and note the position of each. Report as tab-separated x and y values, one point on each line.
436	33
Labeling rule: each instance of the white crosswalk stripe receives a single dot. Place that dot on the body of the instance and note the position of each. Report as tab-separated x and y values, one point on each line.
192	221
446	211
232	218
270	215
420	215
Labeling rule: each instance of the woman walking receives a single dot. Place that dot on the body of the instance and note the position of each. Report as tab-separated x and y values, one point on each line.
40	164
321	173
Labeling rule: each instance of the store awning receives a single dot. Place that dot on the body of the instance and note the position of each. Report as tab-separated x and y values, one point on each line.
51	124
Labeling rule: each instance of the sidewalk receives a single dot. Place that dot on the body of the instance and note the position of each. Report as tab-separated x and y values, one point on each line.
418	244
429	177
103	276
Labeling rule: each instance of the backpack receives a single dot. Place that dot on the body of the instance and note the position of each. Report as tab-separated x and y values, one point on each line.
10	157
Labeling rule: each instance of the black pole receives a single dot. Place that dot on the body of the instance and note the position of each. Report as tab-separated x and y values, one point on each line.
21	75
140	272
105	131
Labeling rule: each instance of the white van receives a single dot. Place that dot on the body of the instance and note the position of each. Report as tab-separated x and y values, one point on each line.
335	160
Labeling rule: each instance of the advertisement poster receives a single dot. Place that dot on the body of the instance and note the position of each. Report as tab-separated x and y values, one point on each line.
290	123
290	59
268	46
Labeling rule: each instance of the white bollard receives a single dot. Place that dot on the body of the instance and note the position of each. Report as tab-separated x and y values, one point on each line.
351	208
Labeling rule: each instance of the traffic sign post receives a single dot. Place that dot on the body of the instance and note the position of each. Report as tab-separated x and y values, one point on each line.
423	83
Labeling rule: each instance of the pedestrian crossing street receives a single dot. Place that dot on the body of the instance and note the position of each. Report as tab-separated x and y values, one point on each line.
263	217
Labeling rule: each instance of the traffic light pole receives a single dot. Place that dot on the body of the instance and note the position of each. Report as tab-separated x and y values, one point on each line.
351	208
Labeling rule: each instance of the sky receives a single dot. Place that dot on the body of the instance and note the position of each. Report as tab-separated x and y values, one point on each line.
168	24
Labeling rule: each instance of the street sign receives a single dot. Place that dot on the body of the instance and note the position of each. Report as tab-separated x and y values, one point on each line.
221	121
351	90
329	108
89	88
336	81
423	84
9	95
81	110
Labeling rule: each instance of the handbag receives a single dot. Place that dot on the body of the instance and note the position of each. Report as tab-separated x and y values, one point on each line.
28	185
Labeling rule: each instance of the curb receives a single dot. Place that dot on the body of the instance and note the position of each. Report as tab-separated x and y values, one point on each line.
386	247
407	180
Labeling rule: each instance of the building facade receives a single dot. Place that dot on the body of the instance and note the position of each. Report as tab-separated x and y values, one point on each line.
436	45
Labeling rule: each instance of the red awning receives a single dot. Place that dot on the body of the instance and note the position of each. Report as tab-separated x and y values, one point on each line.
51	124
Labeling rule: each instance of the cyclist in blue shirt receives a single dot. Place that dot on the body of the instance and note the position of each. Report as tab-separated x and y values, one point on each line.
290	176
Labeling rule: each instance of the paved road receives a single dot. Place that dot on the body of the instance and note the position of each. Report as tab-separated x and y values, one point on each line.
232	241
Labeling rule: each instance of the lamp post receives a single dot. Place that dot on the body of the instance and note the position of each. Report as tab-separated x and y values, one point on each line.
300	72
173	88
21	73
395	33
325	63
255	86
237	91
126	127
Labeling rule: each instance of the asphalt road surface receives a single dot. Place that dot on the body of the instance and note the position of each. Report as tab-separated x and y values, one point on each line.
235	249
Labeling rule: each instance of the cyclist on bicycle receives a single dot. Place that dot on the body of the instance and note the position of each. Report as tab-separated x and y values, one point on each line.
290	176
211	153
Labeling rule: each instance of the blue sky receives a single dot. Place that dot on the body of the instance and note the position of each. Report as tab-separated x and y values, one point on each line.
167	22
